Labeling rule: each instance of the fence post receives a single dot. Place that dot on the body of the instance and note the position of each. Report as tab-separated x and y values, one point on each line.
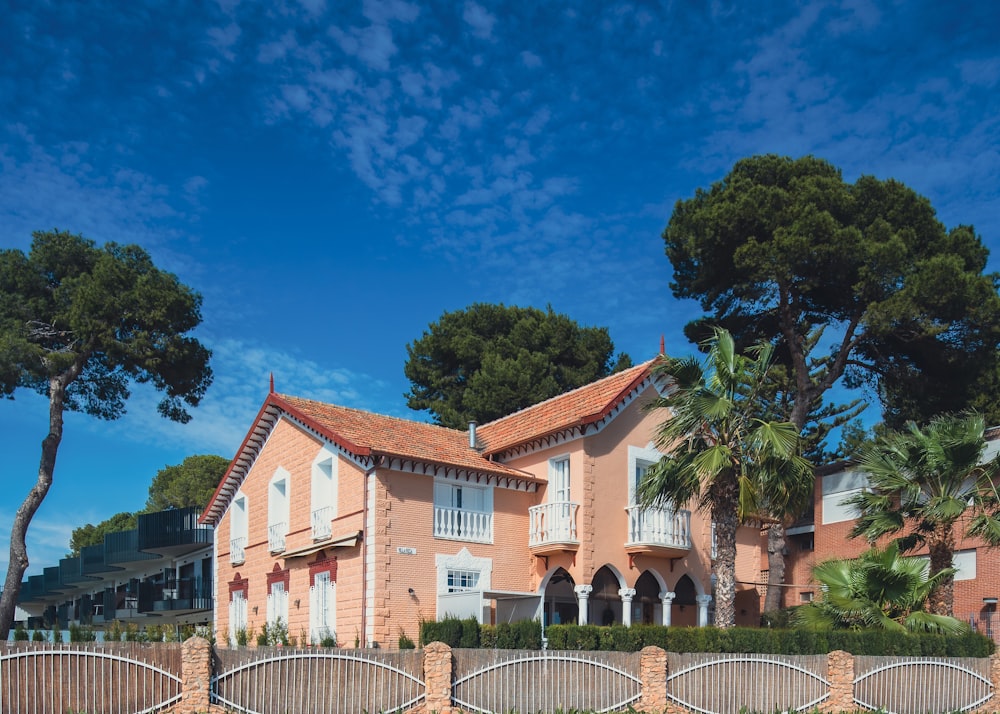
840	673
196	677
653	675
437	678
991	705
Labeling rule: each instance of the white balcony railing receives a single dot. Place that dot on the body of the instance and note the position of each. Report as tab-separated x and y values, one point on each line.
321	526
552	523
663	527
276	537
462	524
237	550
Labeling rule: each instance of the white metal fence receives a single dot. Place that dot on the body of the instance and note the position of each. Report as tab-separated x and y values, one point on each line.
504	681
270	680
133	678
113	678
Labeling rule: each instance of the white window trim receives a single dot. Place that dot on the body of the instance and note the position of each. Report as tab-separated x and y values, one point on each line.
552	486
274	513
325	487
647	454
463	560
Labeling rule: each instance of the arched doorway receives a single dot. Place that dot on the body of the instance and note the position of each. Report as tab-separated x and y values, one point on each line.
560	599
605	602
684	611
647	608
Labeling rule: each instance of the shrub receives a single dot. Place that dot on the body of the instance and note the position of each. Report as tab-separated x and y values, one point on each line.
20	634
81	633
38	636
405	643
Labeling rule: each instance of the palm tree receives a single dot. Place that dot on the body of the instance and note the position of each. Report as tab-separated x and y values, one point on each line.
721	453
922	482
878	590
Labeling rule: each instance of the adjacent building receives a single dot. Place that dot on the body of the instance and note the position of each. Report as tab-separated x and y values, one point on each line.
157	573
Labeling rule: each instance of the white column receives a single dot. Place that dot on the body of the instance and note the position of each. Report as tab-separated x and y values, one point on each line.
582	596
703	601
667	601
626	594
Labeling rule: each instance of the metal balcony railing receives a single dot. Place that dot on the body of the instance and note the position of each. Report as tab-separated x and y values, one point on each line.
237	550
552	523
462	524
276	537
321	526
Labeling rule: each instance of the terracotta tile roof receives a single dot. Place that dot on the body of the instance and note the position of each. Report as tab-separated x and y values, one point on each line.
584	405
367	433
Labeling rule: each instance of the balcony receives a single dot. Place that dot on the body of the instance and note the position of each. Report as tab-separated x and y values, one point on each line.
552	527
276	537
237	550
462	524
658	531
122	548
179	597
173	533
321	526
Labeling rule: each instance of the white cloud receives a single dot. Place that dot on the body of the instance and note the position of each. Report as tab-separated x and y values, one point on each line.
479	19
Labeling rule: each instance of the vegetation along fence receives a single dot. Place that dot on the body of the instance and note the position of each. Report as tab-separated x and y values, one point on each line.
41	678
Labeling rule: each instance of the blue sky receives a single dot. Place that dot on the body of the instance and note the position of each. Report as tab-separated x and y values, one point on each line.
332	176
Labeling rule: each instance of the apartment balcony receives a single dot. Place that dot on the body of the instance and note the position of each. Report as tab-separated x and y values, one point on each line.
184	596
322	527
276	537
552	527
661	532
237	550
462	524
122	548
174	532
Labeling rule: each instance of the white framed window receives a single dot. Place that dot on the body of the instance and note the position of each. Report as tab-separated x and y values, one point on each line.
322	608
239	522
837	488
559	480
463	512
277	604
462	580
237	614
324	493
963	561
639	461
278	500
460	577
807	596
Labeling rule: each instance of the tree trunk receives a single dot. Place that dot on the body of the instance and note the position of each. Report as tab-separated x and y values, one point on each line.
775	566
18	549
724	515
941	547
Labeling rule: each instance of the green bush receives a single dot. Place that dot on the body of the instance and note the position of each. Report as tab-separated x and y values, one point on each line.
451	631
526	634
81	633
405	643
20	634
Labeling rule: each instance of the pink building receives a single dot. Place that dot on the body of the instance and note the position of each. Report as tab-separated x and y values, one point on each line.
345	522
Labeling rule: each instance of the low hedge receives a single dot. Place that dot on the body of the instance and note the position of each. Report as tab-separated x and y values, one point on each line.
527	635
765	641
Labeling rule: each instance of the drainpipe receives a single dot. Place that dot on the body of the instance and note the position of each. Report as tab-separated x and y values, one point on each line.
364	553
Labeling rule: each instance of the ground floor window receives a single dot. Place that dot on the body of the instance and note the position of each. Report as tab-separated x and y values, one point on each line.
462	580
323	610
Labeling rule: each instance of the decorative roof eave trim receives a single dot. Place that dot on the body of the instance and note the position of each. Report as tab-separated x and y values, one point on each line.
585	426
451	472
238	467
271	412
